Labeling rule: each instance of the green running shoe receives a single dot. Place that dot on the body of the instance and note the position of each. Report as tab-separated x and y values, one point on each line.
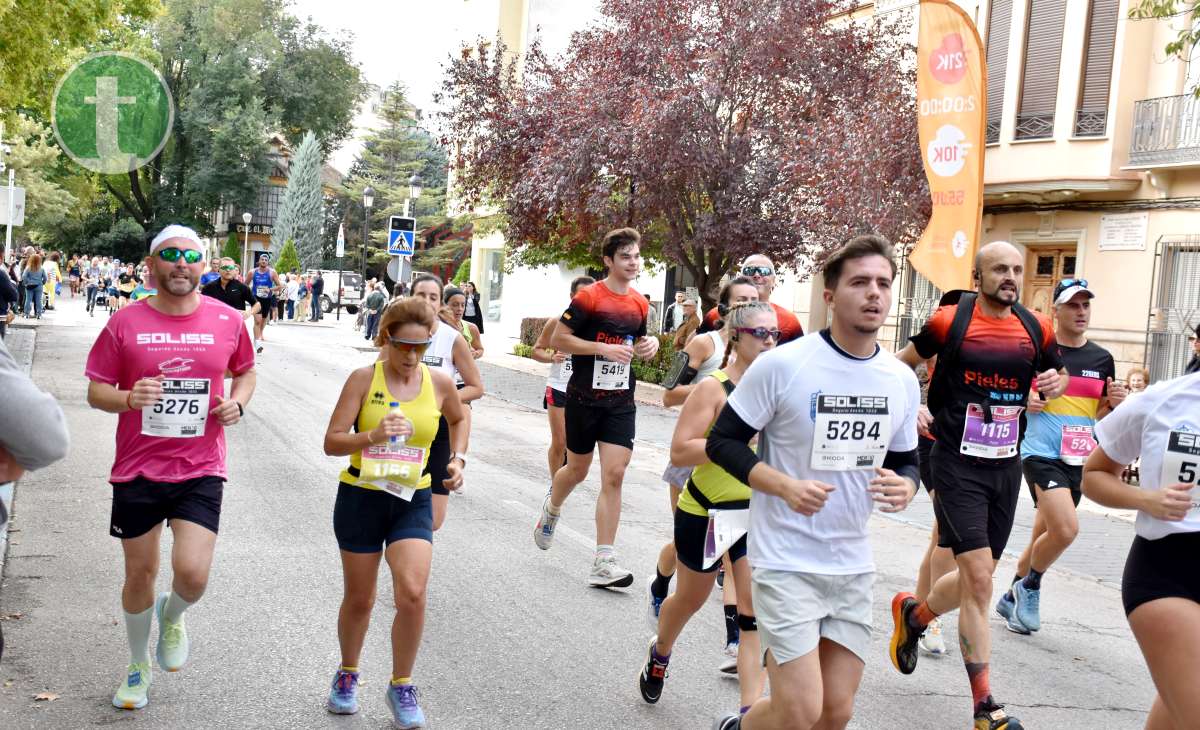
172	651
132	694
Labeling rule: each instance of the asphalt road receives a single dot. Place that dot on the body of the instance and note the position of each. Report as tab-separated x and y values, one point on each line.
514	637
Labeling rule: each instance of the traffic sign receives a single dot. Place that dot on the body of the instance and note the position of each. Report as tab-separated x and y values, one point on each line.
18	218
402	235
341	242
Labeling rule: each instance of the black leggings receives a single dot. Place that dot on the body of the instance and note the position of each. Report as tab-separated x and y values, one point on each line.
439	458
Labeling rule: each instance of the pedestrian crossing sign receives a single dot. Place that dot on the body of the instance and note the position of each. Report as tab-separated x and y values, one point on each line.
402	233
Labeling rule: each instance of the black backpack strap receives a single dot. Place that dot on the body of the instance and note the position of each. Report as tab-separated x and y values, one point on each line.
1034	328
949	354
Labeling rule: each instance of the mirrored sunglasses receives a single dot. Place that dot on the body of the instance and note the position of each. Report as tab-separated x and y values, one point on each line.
757	271
761	333
171	255
417	346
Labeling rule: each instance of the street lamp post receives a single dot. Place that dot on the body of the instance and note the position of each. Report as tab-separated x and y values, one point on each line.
368	202
246	217
410	204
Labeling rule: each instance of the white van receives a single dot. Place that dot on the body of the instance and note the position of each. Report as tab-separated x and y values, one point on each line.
350	283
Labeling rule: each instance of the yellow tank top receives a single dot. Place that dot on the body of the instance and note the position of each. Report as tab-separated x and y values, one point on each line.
713	482
422	411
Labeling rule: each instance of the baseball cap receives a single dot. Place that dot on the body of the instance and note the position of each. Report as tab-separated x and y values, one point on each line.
1068	288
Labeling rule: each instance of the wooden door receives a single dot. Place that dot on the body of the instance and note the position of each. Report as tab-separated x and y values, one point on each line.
1045	266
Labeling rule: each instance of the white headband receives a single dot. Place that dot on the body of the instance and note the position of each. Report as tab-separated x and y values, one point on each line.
175	231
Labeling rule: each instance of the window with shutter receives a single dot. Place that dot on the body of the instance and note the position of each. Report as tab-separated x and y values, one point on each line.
999	28
1039	81
1091	117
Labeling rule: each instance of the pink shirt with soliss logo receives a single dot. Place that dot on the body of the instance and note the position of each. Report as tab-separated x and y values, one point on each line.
141	342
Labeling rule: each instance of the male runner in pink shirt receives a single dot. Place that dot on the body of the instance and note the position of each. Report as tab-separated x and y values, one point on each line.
161	364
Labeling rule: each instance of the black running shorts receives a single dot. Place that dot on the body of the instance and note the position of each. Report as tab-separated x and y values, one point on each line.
555	398
1052	474
368	520
439	458
924	448
975	502
690	533
139	505
1163	568
588	424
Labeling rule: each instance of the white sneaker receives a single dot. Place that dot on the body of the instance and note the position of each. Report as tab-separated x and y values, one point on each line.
728	665
133	692
931	642
607	574
258	345
543	531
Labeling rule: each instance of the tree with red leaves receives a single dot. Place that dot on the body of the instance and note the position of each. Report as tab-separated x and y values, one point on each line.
718	128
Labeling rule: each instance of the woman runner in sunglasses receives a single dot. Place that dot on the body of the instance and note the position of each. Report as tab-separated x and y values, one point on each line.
385	421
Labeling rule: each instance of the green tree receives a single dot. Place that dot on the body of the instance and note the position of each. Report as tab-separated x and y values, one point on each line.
237	69
302	212
463	275
288	259
391	155
35	159
232	248
35	35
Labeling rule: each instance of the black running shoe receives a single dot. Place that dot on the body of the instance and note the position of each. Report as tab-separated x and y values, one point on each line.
652	676
993	717
729	722
903	647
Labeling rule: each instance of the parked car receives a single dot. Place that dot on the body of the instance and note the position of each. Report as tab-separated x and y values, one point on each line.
350	283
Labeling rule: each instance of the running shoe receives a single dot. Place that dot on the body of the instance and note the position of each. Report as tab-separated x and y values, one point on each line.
343	693
728	722
607	574
903	647
993	717
728	665
132	694
931	641
653	605
1004	606
1013	624
172	651
258	345
1026	605
543	531
652	676
406	713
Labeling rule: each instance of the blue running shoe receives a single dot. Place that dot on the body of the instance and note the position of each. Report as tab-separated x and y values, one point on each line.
406	713
1004	607
1026	606
343	694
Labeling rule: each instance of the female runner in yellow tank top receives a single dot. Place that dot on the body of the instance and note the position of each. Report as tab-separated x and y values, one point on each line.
750	329
383	507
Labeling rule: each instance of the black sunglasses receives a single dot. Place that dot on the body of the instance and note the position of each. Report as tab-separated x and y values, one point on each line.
171	255
761	333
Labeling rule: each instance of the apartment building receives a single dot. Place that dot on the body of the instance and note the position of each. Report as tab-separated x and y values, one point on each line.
1092	168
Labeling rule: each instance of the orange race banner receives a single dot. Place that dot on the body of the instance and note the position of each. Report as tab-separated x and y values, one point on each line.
951	121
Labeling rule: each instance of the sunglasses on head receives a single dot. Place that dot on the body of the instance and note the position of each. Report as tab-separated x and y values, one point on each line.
757	271
761	333
1073	282
417	346
171	255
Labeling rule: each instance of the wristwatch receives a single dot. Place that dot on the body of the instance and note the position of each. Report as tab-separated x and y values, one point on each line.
460	457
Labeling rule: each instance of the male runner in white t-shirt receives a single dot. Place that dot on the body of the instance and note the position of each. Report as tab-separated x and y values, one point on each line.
837	423
161	363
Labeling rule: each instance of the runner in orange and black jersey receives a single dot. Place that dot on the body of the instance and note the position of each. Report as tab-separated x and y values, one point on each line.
789	325
597	314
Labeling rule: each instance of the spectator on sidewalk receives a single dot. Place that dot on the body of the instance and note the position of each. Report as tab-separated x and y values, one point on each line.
8	302
304	296
673	318
33	281
293	295
376	301
317	289
474	312
53	278
691	323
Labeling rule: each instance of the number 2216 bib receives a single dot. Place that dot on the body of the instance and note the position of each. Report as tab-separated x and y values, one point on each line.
850	432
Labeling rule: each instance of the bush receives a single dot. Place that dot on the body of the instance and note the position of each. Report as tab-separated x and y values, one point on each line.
531	329
523	350
463	275
288	260
233	248
654	370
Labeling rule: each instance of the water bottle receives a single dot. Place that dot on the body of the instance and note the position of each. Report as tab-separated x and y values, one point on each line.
397	441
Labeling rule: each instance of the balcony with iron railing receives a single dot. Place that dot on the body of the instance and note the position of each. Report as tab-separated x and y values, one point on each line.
1166	131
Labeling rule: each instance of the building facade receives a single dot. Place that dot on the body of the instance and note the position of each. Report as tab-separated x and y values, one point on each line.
1092	169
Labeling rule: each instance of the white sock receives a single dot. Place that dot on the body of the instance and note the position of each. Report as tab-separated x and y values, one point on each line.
604	551
137	629
174	608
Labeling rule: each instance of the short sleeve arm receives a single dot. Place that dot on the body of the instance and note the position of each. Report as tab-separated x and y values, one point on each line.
243	353
1120	432
932	337
579	312
756	396
103	361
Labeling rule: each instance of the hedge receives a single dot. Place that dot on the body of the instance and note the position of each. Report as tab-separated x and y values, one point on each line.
531	329
651	371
